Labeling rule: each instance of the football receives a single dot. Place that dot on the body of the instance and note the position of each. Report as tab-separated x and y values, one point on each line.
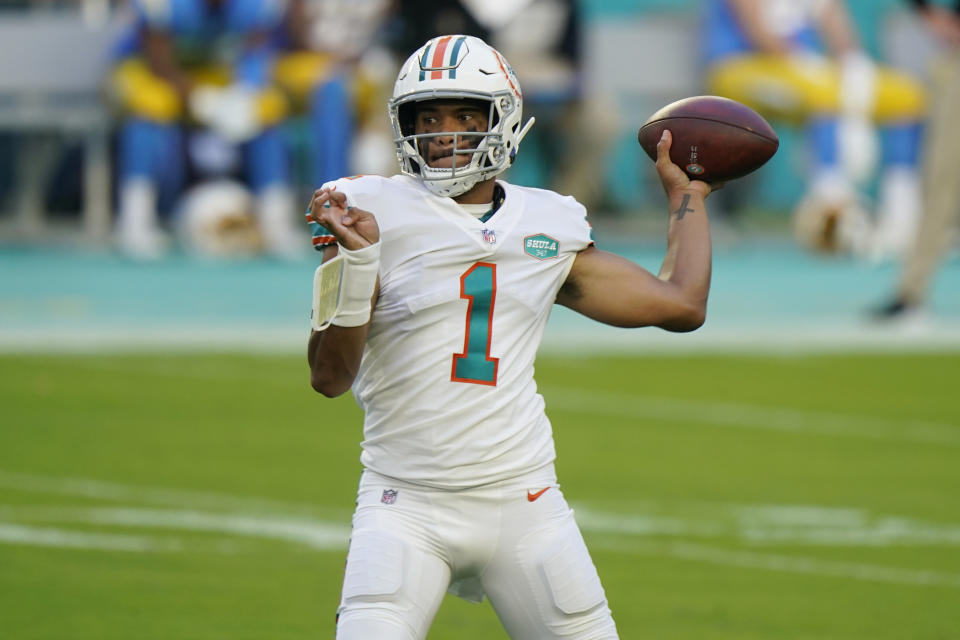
714	139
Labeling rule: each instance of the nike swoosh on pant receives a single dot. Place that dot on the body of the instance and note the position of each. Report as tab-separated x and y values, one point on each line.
533	496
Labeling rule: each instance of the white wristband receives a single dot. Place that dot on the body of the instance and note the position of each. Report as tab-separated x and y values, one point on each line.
360	269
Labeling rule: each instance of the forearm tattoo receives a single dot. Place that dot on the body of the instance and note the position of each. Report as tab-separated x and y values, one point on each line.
683	208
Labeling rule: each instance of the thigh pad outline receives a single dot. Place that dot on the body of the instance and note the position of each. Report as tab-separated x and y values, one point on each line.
374	565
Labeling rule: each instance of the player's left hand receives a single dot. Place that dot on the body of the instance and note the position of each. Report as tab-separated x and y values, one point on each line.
353	228
672	177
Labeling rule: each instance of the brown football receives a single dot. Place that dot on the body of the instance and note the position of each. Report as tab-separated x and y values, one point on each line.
714	139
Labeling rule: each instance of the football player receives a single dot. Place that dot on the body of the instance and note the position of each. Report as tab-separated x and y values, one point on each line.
446	276
332	70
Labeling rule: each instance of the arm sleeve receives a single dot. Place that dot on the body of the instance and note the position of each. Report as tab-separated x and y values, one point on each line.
321	237
584	230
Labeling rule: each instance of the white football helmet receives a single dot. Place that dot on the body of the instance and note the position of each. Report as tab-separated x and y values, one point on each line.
464	67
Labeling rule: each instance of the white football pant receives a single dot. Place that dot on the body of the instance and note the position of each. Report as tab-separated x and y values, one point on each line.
513	542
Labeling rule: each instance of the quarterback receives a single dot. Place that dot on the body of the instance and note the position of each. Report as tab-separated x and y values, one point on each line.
445	278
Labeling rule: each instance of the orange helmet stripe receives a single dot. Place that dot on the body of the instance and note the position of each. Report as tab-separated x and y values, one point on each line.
438	58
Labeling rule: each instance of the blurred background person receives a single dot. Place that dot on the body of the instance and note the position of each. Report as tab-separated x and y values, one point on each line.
194	81
800	62
937	230
576	127
416	21
338	74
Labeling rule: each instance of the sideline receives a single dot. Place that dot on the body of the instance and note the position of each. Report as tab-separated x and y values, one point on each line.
567	338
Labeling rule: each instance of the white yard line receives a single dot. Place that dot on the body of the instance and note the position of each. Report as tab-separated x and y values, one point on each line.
790	564
729	414
626	533
772	525
316	534
158	496
758	524
11	533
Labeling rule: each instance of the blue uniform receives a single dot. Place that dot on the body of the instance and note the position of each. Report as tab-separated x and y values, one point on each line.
205	35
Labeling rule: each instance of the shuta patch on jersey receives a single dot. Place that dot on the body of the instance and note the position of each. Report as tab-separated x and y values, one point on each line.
541	246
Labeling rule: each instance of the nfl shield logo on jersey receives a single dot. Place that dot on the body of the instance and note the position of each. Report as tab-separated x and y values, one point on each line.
489	236
389	496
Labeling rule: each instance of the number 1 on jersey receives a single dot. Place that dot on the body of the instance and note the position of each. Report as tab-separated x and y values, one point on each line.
478	286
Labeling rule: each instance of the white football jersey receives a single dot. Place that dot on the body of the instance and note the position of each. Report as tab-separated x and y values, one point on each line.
446	381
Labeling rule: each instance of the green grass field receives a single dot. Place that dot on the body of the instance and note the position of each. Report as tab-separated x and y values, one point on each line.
209	496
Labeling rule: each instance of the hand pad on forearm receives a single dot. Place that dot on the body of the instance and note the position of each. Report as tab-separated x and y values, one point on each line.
360	269
343	288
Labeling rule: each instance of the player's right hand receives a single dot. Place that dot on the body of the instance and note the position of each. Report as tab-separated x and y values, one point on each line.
672	177
352	227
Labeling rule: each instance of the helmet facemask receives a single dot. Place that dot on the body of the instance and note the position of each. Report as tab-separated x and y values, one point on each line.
481	76
489	153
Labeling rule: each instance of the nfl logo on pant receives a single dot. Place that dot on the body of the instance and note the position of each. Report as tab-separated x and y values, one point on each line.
389	496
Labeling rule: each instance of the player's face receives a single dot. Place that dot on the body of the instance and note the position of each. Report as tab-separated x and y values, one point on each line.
448	117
